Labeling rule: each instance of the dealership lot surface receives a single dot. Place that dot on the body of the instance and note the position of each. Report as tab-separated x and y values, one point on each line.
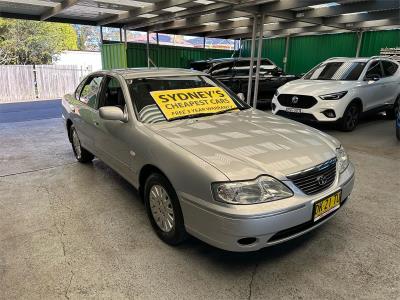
71	230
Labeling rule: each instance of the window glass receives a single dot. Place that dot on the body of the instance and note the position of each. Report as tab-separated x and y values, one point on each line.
224	69
113	95
90	91
146	106
79	89
336	71
374	69
389	67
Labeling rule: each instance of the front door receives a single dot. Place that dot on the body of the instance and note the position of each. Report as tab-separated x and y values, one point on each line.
116	137
372	89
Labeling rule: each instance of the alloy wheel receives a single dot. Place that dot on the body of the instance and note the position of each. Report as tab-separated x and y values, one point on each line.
352	117
76	144
161	208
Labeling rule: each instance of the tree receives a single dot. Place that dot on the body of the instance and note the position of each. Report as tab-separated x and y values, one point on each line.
88	37
33	42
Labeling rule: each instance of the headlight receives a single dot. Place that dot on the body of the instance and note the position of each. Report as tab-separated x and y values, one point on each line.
276	93
342	158
259	190
333	96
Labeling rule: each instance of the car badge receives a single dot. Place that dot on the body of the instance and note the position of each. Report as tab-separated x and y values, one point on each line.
322	180
295	99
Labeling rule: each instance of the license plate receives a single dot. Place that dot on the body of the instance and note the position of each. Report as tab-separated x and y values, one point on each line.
293	110
326	206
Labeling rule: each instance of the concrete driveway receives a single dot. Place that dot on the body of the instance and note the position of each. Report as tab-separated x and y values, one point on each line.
74	231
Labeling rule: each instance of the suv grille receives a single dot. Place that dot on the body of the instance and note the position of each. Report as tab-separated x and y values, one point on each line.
316	179
301	101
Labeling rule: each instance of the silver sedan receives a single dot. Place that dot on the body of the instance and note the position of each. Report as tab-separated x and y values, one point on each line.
206	163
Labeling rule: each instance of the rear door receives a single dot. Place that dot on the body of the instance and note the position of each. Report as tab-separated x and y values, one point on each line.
389	81
85	110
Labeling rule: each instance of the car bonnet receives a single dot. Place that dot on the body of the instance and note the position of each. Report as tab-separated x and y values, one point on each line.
246	144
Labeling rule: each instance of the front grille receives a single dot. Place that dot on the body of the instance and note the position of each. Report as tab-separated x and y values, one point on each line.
317	179
296	116
297	101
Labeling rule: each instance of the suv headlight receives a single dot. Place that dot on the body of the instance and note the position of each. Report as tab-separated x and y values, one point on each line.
342	159
259	190
333	96
276	93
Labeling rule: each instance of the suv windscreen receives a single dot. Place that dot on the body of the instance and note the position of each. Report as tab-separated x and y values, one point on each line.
336	71
149	111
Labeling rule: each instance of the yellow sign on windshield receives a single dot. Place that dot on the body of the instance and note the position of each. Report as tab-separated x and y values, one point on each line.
187	102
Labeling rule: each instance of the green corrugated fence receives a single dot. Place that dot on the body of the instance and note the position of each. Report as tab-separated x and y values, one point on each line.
117	55
113	56
307	51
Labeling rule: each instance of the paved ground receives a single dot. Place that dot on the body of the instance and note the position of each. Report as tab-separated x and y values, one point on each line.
80	231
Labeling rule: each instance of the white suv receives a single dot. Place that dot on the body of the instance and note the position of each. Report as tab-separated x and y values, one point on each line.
340	90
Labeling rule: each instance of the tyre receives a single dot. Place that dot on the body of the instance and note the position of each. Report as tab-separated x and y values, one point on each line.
398	133
391	113
81	154
350	118
164	210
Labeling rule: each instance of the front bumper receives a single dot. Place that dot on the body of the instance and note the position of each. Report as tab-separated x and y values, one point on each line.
269	223
315	113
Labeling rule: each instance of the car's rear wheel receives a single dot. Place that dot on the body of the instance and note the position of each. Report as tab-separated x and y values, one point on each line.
350	118
392	112
81	154
163	209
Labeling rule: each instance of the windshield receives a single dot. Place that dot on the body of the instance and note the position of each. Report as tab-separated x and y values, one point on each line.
159	99
336	71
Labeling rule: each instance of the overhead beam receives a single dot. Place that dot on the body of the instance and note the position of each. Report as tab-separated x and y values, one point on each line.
195	11
259	7
248	30
57	9
198	20
349	8
371	16
286	32
221	26
153	8
31	2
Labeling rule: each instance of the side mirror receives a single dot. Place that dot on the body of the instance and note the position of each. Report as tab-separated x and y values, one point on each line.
373	77
241	96
112	113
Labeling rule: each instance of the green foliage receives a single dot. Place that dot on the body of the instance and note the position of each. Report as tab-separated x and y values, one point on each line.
88	37
32	42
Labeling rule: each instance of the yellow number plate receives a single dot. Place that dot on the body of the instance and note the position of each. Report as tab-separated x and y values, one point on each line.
326	206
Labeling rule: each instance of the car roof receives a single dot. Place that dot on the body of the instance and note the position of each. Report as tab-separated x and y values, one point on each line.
133	73
348	59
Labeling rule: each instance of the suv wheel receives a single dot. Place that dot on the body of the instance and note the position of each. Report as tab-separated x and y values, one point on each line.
81	154
392	112
350	118
164	210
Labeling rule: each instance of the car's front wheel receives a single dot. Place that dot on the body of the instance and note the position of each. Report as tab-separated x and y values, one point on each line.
81	154
163	209
392	112
350	118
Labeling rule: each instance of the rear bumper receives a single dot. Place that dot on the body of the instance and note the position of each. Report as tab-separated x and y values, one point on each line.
223	230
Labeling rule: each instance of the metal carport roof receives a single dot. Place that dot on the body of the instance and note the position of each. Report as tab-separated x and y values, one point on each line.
216	18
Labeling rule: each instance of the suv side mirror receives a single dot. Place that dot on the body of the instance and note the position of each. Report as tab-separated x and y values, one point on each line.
241	96
372	77
112	113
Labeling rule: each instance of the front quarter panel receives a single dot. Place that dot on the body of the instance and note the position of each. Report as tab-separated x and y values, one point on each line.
187	173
